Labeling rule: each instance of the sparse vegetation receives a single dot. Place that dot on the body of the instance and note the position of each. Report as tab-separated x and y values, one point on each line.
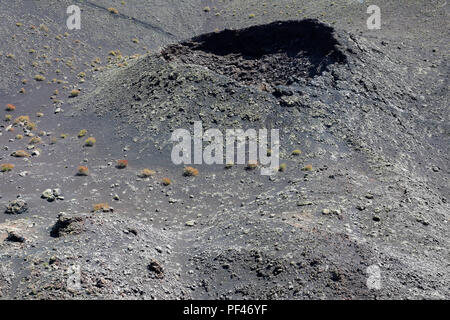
296	152
121	164
6	167
166	182
63	135
307	168
90	142
282	167
146	173
207	9
8	117
190	172
82	171
229	165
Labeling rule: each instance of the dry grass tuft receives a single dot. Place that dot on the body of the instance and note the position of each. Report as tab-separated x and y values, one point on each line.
39	77
82	171
90	142
82	133
22	119
35	140
166	182
74	93
190	172
113	10
6	167
30	126
20	154
121	164
146	173
101	207
229	165
10	107
251	165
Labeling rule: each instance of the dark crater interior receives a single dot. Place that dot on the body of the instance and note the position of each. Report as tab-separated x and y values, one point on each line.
279	53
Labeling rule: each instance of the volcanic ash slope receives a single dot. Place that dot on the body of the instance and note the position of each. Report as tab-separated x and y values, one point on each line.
372	201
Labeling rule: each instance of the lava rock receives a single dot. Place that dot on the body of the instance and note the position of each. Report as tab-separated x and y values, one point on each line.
68	224
18	206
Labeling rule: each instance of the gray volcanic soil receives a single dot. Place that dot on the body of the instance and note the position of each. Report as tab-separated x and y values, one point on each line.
368	109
